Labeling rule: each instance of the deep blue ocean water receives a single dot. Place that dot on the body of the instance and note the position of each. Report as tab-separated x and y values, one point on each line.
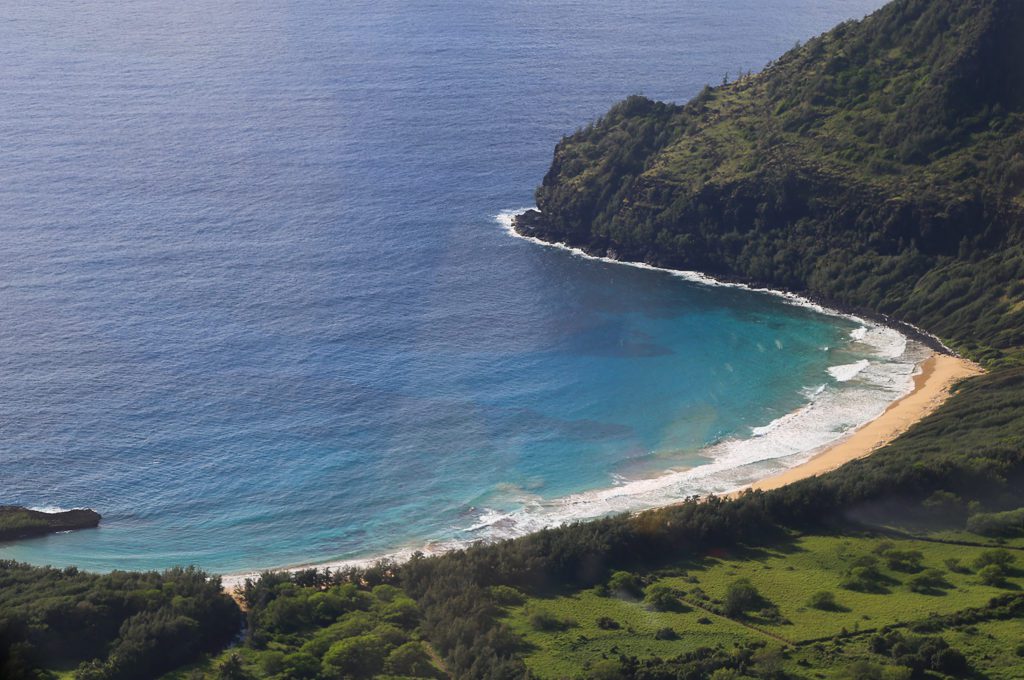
255	307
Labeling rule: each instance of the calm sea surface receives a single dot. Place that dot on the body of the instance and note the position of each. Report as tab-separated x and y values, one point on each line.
256	309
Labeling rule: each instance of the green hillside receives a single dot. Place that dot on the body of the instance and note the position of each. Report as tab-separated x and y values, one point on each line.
879	166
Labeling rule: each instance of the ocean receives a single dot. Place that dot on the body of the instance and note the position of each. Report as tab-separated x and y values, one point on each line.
259	305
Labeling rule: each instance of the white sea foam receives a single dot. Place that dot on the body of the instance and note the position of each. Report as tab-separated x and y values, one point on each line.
847	372
505	219
49	508
833	410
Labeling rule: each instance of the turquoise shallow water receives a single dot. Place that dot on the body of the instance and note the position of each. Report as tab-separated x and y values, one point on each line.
256	309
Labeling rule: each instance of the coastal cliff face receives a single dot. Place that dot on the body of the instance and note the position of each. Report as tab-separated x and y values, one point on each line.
17	522
880	166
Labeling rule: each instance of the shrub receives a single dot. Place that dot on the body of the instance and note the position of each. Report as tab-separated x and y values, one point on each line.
904	560
607	623
928	581
920	653
410	659
272	662
544	620
992	575
1006	524
741	597
954	565
864	579
507	596
824	600
772	614
231	669
999	557
385	592
661	597
624	583
666	634
945	505
401	611
301	666
361	657
726	674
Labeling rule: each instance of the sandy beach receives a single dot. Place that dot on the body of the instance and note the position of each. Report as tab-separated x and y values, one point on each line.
931	388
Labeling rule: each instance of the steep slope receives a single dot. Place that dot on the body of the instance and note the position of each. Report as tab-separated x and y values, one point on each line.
879	166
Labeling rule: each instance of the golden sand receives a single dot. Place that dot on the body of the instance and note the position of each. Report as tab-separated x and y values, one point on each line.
931	388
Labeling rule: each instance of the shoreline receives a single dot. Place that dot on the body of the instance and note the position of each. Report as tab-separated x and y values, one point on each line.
507	219
937	373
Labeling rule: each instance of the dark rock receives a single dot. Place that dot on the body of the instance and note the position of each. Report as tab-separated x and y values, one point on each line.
17	522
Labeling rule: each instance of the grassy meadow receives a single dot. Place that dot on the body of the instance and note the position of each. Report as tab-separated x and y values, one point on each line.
567	632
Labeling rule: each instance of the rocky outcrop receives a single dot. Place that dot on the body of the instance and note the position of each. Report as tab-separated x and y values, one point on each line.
17	522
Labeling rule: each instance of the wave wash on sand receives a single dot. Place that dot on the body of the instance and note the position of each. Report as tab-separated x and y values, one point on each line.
856	409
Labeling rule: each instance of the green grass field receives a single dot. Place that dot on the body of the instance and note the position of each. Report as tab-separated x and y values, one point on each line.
786	577
994	646
563	653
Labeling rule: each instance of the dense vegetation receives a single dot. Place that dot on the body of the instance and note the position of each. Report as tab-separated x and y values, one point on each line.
117	626
323	625
879	166
781	611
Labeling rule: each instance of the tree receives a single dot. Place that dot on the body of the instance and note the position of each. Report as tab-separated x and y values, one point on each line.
361	656
992	575
904	560
661	597
929	581
232	669
410	659
1000	557
301	666
624	583
401	611
272	662
725	674
742	596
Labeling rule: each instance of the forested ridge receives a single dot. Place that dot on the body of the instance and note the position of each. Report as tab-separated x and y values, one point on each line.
879	166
